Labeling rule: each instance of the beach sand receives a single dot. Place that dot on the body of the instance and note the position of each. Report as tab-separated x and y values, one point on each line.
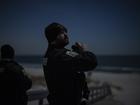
125	86
128	93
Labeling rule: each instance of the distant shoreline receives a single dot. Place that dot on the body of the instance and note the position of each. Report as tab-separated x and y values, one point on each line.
113	69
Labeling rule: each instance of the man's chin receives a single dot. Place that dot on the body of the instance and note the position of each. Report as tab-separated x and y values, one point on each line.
66	43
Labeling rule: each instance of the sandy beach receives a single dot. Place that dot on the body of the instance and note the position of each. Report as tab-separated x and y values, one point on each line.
125	86
130	84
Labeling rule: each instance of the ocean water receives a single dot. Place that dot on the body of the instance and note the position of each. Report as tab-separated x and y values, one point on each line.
105	62
119	61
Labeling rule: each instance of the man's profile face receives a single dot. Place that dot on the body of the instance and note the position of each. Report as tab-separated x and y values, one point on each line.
63	39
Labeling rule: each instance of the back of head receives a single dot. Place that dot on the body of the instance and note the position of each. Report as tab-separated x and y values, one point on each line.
52	30
7	52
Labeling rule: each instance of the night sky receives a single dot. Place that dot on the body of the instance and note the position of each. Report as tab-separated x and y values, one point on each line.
107	27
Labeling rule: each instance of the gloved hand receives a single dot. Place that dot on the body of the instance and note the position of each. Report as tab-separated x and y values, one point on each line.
78	47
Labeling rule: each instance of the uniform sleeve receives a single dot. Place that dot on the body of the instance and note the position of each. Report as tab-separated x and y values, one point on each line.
27	82
22	80
80	62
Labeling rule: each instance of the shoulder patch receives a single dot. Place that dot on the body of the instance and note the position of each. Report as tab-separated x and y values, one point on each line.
45	61
71	53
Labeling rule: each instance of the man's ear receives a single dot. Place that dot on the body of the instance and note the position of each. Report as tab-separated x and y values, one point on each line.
58	36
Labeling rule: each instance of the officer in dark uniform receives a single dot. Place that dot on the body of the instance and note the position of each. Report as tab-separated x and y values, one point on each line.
13	81
63	67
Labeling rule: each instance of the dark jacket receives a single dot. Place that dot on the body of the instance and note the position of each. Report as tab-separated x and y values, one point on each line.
62	72
13	83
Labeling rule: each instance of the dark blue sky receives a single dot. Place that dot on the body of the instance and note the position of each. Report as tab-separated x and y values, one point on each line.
106	26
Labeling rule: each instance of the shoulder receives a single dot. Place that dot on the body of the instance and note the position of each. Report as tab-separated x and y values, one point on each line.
71	53
10	66
66	53
56	53
14	67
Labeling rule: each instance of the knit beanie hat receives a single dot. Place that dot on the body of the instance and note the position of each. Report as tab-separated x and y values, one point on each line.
52	30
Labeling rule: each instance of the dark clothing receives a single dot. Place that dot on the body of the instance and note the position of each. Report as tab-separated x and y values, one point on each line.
62	72
13	83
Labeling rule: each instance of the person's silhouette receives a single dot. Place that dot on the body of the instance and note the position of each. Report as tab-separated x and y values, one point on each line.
63	67
13	81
